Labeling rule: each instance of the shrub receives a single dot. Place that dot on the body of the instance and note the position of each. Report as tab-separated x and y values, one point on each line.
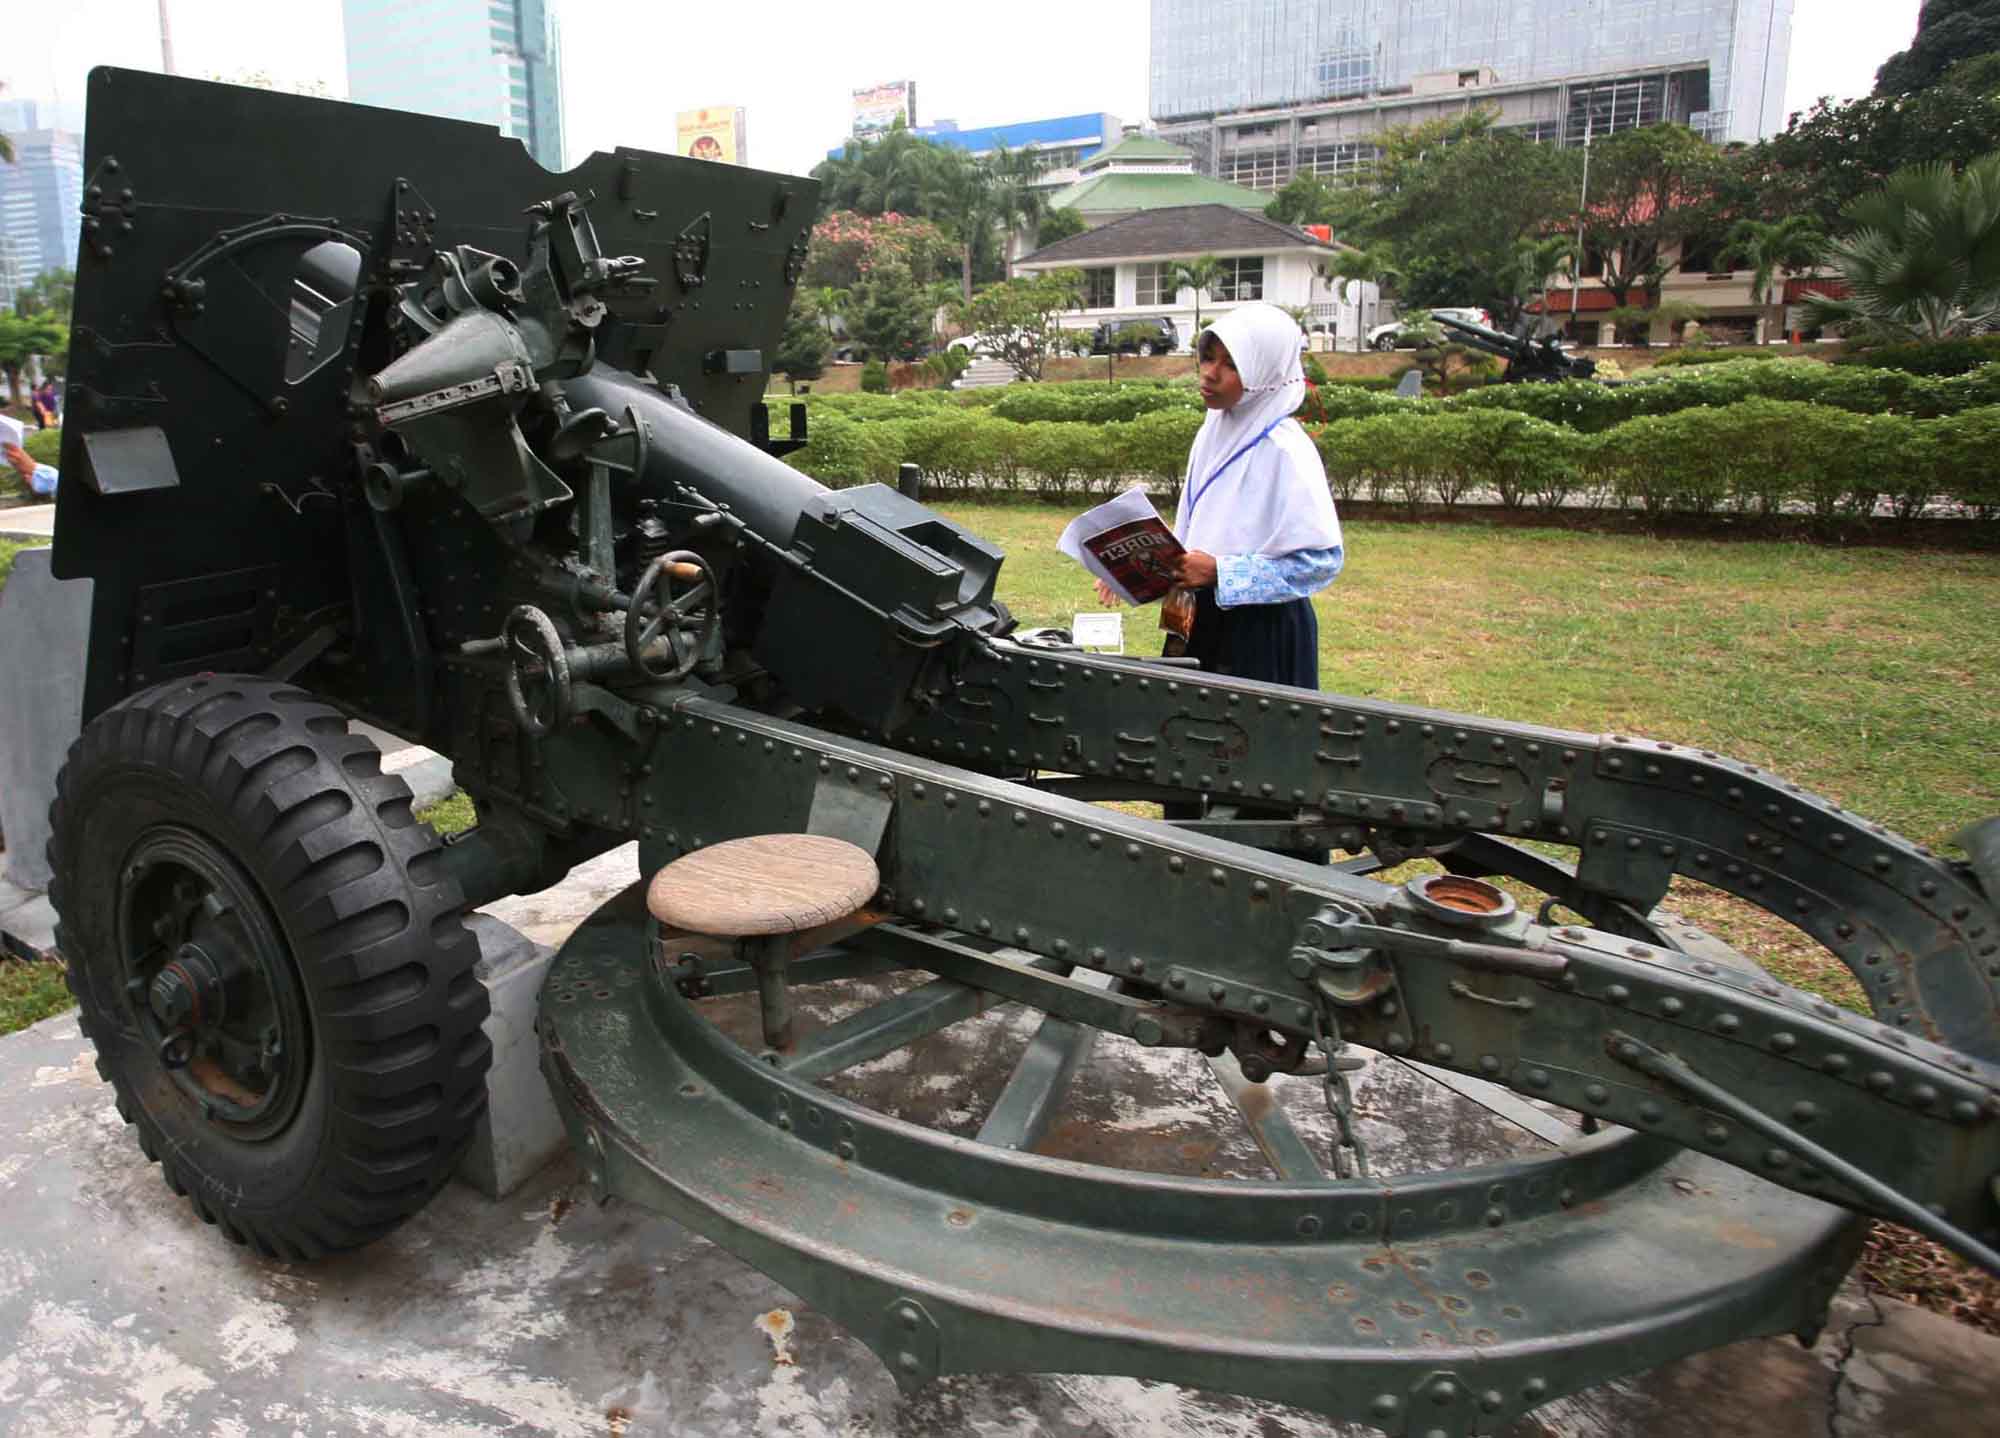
44	446
1962	451
875	377
1673	359
1941	357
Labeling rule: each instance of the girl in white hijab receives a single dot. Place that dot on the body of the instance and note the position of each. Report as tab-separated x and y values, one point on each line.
1255	514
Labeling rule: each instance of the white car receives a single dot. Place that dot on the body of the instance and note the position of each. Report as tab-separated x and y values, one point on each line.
1394	335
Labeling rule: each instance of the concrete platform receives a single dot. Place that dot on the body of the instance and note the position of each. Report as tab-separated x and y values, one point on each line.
28	521
120	1313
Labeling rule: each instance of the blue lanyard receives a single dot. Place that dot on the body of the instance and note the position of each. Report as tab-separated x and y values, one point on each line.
1194	497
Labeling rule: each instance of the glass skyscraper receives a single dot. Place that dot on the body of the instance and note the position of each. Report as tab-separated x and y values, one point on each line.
39	194
1224	57
494	61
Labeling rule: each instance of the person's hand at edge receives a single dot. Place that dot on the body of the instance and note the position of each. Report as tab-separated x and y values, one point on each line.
1197	569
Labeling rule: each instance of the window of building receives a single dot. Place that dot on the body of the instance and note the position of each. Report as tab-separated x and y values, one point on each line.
1100	288
1242	278
1155	285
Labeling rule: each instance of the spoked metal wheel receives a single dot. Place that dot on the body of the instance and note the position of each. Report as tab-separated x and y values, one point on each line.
968	1187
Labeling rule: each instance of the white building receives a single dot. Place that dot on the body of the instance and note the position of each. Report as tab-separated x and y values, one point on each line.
1128	270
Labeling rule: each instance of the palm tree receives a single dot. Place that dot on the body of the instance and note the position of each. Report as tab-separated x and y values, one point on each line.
1923	260
1017	203
1790	244
1536	262
1200	276
962	196
830	302
1371	266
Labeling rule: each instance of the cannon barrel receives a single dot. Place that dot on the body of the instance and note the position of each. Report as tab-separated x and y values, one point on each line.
865	584
685	450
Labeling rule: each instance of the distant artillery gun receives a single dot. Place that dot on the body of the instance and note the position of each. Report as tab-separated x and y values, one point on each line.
1529	361
491	468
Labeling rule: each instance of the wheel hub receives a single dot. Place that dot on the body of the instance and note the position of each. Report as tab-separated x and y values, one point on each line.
189	991
210	982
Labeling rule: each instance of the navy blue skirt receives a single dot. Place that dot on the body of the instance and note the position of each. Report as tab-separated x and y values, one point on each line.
1274	642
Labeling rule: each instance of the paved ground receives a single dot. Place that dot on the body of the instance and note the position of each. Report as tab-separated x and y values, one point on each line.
28	521
544	1314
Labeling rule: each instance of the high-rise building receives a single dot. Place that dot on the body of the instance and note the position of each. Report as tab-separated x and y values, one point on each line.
1263	90
494	61
39	194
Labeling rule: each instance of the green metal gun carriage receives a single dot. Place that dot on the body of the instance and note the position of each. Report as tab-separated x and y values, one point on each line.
371	417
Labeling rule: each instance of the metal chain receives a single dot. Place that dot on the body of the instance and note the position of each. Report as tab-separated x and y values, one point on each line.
1350	1155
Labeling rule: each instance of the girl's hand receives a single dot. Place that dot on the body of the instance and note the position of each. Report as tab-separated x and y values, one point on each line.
1197	569
1104	594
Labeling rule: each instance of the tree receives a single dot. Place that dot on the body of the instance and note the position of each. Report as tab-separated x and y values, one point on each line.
804	346
892	174
1536	262
828	302
1455	199
1832	155
1650	190
52	292
1302	200
21	338
1922	261
846	245
1947	31
1792	243
1058	225
1199	275
964	198
891	317
1015	320
1019	204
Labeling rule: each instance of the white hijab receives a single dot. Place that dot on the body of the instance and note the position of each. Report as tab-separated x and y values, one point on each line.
1254	481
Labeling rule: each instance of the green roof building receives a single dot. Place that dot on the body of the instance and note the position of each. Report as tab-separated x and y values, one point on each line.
1142	173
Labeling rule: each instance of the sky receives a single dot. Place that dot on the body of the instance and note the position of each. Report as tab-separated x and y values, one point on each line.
628	65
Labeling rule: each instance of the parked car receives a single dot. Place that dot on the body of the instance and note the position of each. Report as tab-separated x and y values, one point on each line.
1394	335
1148	335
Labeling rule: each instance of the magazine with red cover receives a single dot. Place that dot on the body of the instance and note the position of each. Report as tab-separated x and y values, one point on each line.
1125	543
1143	557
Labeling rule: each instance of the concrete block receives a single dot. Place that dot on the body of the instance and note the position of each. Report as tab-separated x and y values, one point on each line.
521	1130
429	778
28	928
44	632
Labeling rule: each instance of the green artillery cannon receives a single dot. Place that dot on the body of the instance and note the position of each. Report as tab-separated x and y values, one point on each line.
371	417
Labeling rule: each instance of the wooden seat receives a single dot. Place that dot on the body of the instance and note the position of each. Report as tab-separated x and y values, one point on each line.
765	884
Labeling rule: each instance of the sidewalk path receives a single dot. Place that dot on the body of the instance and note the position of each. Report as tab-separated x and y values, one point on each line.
28	521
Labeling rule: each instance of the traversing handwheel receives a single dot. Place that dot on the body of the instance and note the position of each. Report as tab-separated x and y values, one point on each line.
538	682
673	615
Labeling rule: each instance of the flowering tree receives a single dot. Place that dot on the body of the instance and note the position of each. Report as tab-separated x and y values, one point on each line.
847	246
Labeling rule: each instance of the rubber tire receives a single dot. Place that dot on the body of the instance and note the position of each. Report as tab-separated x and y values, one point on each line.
1386	344
1146	348
396	1081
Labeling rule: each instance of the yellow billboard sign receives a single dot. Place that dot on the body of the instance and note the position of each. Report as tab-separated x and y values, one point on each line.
714	132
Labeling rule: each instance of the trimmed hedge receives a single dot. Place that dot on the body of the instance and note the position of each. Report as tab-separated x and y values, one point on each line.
1938	357
1758	456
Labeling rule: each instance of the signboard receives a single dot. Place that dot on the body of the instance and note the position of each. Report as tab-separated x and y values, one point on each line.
712	133
876	108
1098	631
